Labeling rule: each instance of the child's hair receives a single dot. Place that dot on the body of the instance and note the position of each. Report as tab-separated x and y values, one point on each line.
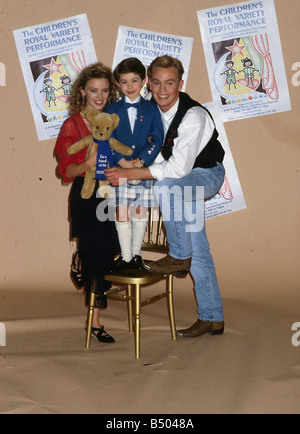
166	62
96	70
132	64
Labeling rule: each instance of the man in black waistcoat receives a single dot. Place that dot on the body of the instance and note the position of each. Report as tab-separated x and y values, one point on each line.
188	171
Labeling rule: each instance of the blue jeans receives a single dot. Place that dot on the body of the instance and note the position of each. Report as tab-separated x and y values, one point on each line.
184	221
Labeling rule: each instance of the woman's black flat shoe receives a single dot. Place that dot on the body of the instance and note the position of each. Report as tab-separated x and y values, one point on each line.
76	270
102	335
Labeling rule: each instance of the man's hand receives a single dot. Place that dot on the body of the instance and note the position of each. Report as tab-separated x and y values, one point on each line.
117	175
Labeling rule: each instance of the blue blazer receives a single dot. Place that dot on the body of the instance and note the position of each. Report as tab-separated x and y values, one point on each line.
148	122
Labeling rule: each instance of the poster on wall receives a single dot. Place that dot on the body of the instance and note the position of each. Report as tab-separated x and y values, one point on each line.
147	45
230	197
51	56
244	59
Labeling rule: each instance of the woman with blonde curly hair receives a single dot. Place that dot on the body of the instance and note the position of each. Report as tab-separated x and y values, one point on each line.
97	240
78	98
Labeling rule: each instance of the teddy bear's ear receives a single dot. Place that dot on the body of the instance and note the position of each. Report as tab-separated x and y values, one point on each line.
91	114
115	119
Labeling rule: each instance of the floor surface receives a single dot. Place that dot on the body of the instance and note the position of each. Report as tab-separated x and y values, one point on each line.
45	369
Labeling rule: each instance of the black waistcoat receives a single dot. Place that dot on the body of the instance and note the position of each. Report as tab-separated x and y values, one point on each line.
213	151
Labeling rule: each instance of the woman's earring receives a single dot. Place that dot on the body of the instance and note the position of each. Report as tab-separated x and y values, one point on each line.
83	104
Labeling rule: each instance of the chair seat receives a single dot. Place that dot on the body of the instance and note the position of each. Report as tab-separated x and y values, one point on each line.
134	277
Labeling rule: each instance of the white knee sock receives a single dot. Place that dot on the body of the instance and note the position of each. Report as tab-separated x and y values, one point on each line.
125	239
138	234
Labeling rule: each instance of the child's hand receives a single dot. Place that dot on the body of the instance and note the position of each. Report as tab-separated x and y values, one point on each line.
127	164
137	163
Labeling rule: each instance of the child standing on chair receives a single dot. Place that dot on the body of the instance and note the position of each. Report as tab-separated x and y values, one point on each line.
140	128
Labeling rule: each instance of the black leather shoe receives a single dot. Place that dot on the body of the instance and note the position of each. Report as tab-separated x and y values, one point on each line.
121	265
139	262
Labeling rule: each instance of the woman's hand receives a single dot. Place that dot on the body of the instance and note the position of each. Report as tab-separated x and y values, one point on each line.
74	170
92	160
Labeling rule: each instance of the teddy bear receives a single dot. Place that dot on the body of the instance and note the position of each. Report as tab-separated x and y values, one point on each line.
102	125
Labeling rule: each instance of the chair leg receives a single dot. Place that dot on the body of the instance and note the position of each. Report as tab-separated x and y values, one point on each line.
129	305
90	314
137	330
171	307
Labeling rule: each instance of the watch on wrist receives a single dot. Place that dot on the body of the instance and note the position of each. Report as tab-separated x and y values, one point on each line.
142	161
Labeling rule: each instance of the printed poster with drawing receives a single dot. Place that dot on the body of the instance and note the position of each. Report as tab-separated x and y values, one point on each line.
147	45
230	198
51	56
244	59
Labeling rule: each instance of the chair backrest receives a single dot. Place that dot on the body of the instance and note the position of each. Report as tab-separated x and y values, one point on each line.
155	237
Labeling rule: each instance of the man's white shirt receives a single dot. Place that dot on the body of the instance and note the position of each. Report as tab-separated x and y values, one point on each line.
194	132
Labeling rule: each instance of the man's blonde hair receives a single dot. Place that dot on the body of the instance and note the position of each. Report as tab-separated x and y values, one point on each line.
166	62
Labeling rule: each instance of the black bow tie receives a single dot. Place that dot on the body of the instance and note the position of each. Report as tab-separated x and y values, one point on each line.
128	105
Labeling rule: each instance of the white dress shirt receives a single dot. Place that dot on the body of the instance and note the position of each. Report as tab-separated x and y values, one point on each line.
194	132
132	111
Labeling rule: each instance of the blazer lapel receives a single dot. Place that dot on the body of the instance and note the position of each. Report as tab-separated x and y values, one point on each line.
125	123
140	117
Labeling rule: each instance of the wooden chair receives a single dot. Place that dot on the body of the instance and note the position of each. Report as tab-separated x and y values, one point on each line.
132	281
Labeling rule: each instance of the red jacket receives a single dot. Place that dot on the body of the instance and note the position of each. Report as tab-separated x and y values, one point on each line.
72	130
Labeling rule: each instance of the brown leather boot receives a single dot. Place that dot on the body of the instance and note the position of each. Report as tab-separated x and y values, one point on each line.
168	265
200	327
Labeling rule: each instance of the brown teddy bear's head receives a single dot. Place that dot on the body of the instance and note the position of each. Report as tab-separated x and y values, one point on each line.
102	124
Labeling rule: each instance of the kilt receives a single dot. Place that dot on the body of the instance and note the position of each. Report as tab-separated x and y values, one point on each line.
133	195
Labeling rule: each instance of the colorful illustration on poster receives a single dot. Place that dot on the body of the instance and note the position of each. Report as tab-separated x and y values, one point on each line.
244	69
244	59
53	78
51	57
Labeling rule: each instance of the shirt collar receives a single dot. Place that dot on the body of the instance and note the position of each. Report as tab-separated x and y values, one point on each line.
168	116
132	102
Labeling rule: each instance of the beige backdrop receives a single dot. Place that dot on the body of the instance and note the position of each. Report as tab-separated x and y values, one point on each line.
256	250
